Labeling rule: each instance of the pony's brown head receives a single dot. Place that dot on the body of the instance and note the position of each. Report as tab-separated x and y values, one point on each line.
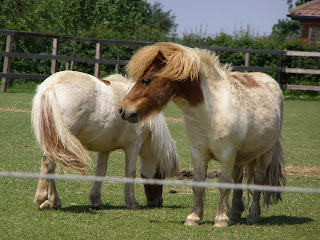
162	72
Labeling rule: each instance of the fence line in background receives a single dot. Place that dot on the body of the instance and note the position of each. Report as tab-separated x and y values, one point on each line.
161	182
7	72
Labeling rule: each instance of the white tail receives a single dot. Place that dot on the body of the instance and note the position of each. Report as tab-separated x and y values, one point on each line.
59	144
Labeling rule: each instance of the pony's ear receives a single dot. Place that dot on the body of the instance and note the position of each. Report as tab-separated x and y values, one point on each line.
159	59
170	60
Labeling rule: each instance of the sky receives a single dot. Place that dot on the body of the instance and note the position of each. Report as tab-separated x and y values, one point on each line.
215	16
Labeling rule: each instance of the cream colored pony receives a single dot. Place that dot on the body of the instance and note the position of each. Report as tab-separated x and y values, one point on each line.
234	118
74	111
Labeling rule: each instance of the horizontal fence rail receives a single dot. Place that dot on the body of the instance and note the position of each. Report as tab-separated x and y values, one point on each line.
8	74
26	175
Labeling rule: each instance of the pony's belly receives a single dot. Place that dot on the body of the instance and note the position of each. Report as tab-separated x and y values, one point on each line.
246	157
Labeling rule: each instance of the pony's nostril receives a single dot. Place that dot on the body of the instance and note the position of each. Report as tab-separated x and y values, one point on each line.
120	110
134	117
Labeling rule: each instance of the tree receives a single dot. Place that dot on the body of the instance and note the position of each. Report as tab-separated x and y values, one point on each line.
120	19
287	29
298	2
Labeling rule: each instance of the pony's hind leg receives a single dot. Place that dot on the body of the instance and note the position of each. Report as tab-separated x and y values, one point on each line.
237	203
101	170
153	191
47	195
260	173
149	169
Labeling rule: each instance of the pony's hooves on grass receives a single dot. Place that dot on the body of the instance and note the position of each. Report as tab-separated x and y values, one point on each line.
134	206
253	219
221	224
221	221
94	207
236	216
45	205
57	207
193	219
191	223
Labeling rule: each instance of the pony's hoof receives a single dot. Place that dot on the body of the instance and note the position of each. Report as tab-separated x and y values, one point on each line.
192	220
157	203
236	215
98	207
133	206
253	218
45	205
95	205
222	221
221	224
191	223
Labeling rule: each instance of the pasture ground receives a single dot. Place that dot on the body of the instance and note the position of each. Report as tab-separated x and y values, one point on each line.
296	217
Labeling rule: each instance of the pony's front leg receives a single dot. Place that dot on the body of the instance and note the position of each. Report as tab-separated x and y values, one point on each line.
101	170
47	195
130	172
200	164
227	160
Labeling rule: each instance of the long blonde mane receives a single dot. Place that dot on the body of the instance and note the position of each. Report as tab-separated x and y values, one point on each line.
181	63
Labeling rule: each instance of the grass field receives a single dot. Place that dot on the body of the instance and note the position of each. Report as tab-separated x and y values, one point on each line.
296	217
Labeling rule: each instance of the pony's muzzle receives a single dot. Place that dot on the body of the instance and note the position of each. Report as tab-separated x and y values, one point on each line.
130	116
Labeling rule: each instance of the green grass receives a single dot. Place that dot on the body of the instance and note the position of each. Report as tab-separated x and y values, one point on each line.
296	217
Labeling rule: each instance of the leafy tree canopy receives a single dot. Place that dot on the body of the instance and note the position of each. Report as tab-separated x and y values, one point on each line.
119	19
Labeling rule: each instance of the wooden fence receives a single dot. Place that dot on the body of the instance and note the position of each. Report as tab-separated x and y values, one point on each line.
8	73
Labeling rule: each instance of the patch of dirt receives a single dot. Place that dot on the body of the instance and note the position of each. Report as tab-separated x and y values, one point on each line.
305	171
14	110
187	174
290	170
174	120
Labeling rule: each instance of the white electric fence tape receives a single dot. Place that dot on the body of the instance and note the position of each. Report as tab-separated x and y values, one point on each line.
161	182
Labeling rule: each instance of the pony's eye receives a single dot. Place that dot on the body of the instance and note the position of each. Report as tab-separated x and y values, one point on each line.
146	81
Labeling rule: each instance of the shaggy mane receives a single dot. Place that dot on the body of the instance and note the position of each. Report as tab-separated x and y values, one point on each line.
181	63
175	56
118	78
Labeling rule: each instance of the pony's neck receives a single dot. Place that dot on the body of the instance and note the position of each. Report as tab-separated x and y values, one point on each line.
214	91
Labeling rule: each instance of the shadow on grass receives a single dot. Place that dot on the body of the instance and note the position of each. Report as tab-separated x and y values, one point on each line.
276	221
88	209
265	221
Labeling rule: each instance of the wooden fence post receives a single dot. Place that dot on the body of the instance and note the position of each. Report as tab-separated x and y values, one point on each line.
54	63
116	68
98	56
279	74
6	65
247	60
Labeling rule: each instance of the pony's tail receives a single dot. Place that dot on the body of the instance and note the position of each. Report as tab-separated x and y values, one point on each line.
59	144
163	147
275	174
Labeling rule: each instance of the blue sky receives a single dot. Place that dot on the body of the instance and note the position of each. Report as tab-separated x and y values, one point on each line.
214	16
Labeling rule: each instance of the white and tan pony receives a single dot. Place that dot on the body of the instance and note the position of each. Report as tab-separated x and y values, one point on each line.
74	111
234	118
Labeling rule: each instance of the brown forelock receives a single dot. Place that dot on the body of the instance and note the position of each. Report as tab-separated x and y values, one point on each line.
246	80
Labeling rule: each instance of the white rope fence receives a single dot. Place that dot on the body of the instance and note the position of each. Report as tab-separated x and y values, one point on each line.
161	182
